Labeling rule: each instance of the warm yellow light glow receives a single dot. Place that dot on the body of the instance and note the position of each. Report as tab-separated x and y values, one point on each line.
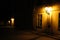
12	21
52	18
48	9
9	21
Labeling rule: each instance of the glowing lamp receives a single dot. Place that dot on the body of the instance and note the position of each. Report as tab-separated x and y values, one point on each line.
48	10
12	20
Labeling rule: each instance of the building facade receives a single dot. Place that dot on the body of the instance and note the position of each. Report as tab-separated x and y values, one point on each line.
47	18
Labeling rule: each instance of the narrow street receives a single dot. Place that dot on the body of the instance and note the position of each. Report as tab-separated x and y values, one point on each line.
25	35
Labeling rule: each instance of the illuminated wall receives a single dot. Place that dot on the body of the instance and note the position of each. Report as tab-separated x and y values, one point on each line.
53	17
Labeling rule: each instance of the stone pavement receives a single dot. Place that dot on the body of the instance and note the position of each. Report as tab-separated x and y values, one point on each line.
44	38
26	35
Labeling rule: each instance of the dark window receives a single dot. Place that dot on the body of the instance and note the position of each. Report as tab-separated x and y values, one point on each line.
40	21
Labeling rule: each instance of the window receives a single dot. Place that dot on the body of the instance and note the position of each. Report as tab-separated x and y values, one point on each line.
40	21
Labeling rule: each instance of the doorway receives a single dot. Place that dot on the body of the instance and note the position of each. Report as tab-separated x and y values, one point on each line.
48	25
59	23
39	27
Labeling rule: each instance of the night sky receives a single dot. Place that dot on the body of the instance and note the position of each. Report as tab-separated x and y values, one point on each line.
24	13
22	10
7	9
